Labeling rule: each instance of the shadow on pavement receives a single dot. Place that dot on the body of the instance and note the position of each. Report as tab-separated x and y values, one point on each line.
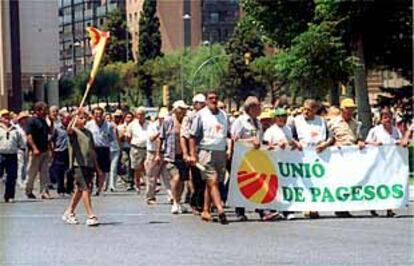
110	223
159	222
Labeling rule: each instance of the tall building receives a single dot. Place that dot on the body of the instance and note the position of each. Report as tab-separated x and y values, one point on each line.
29	52
177	17
219	19
74	17
187	23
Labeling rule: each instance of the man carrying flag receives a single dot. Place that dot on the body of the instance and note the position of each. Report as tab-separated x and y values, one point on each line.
82	154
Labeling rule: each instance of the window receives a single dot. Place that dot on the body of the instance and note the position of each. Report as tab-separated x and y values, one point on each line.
136	16
130	17
214	17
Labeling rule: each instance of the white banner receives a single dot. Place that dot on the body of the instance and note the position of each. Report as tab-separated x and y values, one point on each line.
346	179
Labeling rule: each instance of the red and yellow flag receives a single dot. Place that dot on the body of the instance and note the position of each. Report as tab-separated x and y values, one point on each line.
98	41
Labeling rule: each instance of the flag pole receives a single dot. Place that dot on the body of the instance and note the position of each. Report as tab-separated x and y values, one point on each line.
98	43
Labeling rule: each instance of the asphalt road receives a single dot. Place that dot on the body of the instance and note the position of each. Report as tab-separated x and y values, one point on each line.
32	233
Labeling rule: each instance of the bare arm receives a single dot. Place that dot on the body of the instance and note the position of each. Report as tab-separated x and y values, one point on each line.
192	150
184	147
31	144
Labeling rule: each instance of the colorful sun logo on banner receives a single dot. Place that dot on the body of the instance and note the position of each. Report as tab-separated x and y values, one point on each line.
257	177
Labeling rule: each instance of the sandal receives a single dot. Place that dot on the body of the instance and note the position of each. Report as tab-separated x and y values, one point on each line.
70	218
206	217
92	221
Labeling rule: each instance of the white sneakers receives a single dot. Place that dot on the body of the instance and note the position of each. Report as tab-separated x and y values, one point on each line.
70	218
92	221
176	209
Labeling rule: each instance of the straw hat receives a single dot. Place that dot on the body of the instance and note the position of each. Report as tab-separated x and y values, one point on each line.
23	114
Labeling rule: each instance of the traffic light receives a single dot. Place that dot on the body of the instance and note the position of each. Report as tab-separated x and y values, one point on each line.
247	58
165	95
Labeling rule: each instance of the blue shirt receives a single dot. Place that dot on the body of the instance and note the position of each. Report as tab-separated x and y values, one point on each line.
102	135
60	138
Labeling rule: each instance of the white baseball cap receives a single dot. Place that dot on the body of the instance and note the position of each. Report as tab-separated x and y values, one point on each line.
180	104
199	98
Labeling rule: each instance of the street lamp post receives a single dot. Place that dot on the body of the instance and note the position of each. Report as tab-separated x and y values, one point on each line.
187	43
201	66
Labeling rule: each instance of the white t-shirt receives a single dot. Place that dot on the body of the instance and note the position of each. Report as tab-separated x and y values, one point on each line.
379	134
153	130
275	134
211	129
310	132
138	133
245	127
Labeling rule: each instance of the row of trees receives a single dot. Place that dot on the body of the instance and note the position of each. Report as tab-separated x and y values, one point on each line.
321	43
315	47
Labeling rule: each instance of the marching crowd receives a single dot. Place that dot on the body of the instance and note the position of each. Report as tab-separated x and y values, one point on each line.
187	149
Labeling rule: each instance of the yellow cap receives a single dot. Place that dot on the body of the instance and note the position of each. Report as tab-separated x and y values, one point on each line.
4	112
348	103
268	114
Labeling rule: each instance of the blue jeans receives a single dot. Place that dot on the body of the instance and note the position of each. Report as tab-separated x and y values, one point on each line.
60	165
9	163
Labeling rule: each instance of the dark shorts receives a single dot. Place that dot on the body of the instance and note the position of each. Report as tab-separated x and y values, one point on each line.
83	177
103	156
178	167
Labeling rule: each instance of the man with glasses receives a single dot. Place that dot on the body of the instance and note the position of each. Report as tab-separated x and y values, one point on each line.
208	133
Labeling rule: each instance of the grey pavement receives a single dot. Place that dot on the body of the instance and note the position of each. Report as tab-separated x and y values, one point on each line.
32	233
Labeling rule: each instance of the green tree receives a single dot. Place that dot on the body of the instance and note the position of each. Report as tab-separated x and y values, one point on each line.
379	34
244	47
149	46
265	72
119	46
376	33
280	21
105	86
66	91
315	63
127	81
202	68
